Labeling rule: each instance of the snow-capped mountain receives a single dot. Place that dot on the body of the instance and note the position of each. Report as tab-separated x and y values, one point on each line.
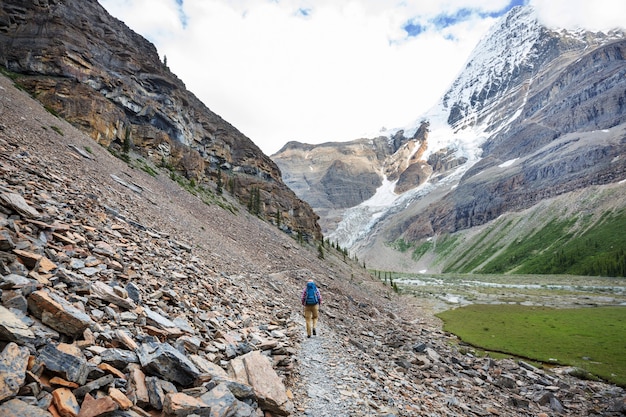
535	113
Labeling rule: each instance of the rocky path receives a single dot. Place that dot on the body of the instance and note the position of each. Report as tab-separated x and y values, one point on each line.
321	376
332	382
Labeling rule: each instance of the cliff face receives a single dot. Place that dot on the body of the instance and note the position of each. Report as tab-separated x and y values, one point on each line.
95	72
335	176
570	136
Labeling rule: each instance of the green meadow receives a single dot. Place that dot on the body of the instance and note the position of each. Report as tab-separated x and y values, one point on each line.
592	338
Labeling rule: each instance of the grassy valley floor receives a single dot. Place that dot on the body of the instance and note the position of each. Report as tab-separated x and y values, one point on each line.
552	319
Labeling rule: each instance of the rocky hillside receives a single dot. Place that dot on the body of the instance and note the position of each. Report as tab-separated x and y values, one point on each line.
536	113
92	70
122	294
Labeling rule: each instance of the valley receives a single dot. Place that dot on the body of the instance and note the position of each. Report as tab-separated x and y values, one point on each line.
448	291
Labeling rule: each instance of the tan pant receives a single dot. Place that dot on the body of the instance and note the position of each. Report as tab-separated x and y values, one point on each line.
310	315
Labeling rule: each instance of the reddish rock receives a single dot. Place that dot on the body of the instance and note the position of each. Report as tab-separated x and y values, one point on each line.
57	313
112	370
35	261
256	370
92	407
120	398
65	402
138	390
179	404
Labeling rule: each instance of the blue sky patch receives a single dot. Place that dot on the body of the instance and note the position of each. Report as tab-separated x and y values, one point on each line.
303	12
445	20
413	29
181	14
504	11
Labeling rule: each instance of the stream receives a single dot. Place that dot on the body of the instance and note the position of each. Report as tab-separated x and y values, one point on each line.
560	291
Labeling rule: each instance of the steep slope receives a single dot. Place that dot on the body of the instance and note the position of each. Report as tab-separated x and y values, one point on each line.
534	114
95	72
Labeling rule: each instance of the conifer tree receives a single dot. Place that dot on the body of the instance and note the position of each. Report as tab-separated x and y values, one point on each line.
219	182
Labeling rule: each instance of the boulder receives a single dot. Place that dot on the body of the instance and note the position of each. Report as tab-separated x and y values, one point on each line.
57	313
256	370
163	360
65	360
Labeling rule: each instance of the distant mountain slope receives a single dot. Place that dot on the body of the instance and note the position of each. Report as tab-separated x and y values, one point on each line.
95	72
535	113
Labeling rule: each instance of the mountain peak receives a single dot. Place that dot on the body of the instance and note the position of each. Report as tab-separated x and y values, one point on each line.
527	91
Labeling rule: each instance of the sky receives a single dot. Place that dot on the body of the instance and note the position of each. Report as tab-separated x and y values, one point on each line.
329	70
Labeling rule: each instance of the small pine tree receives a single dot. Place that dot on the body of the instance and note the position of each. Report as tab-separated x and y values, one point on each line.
278	218
320	251
219	182
254	201
127	142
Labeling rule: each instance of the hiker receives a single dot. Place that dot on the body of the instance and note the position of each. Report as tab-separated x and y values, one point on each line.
311	300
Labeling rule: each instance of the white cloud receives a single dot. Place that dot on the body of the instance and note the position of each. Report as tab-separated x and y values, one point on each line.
311	70
597	15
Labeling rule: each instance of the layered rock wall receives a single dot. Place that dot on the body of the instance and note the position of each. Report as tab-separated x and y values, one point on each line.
95	72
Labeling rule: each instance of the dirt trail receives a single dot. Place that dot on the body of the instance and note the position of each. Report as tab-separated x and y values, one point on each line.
332	383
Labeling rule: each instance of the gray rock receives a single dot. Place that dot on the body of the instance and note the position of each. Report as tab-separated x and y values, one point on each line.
105	292
65	360
13	280
12	329
165	361
18	408
157	319
94	385
17	203
256	370
119	358
156	394
133	293
220	400
419	347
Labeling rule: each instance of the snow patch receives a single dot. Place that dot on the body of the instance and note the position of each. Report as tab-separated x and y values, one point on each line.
384	196
507	163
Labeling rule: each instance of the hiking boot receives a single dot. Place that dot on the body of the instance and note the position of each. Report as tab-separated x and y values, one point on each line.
308	336
314	332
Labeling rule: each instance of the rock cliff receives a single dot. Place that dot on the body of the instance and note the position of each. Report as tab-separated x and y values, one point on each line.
334	176
95	72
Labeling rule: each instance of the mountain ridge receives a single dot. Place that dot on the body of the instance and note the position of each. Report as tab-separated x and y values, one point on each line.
526	90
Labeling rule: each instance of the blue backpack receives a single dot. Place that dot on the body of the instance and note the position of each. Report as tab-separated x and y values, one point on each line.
311	294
